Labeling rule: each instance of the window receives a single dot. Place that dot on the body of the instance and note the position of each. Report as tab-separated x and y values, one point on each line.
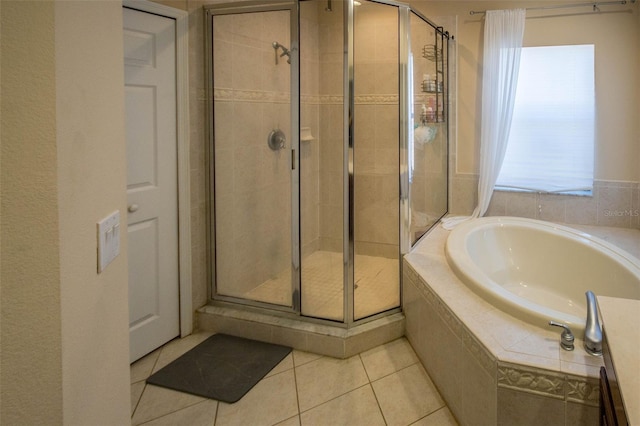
551	144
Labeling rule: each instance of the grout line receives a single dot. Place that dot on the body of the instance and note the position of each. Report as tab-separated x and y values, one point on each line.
364	367
295	382
145	379
215	419
430	414
373	391
403	368
175	411
334	398
139	399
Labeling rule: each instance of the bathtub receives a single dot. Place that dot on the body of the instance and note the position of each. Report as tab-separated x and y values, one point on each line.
539	271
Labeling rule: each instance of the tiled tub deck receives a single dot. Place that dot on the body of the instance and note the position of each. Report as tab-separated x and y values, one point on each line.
490	367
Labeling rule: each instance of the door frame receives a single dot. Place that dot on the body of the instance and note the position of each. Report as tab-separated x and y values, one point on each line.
182	140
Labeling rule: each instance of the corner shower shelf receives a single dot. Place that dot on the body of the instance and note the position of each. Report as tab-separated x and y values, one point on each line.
435	87
305	134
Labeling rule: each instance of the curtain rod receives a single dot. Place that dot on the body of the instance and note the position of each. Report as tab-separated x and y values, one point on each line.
563	6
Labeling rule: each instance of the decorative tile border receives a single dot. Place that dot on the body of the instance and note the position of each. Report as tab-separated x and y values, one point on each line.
413	276
229	95
583	390
531	380
376	99
449	318
250	96
427	293
479	352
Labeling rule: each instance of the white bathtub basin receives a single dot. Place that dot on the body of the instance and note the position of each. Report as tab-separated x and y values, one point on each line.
539	271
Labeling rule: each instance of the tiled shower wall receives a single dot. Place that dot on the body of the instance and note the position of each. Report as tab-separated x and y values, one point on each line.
376	157
310	117
376	128
330	103
321	159
252	181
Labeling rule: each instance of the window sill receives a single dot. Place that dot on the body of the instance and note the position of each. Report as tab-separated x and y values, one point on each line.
585	193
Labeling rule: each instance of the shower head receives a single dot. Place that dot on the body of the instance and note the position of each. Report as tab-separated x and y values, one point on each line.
285	52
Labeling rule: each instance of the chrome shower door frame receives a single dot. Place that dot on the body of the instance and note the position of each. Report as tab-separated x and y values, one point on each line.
294	54
404	184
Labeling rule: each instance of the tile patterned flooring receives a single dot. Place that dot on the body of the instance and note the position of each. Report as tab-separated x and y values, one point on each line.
377	286
386	385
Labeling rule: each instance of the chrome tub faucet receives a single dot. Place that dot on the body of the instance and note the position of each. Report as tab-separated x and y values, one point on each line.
592	330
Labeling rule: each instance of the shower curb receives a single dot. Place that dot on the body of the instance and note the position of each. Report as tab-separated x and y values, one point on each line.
333	341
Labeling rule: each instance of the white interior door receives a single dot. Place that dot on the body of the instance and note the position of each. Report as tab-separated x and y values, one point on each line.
150	97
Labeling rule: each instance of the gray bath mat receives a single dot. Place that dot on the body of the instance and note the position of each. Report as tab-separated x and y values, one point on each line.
222	367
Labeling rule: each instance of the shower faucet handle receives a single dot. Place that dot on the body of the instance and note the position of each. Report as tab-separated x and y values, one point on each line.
566	338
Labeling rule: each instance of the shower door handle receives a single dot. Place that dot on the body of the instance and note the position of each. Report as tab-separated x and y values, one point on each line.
293	159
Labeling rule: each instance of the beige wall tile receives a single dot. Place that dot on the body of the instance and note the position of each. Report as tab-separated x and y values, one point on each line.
411	305
581	415
582	210
522	204
479	397
223	116
222	57
520	408
464	196
441	354
327	345
614	206
552	207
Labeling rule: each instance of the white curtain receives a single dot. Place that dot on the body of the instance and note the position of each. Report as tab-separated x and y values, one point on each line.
503	32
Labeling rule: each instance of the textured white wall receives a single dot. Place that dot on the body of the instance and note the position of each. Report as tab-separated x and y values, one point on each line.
91	185
31	382
64	328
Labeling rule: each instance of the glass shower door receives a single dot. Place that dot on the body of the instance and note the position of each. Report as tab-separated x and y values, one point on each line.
376	159
428	135
254	238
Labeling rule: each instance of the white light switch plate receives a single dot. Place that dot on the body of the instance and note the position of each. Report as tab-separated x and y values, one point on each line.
108	240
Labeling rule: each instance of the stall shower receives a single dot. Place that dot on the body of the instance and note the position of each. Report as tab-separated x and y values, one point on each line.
320	176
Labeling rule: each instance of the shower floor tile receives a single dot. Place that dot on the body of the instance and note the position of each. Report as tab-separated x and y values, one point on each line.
376	279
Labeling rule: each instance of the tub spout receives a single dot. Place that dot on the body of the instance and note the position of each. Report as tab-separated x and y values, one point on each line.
592	331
